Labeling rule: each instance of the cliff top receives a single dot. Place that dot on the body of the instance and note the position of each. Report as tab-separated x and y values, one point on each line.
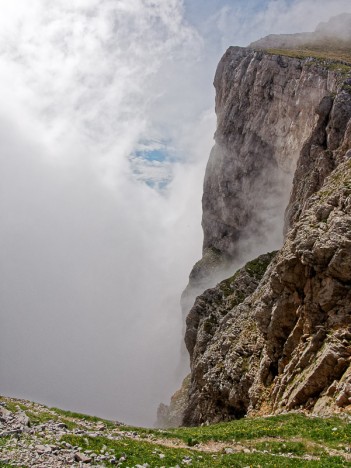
330	40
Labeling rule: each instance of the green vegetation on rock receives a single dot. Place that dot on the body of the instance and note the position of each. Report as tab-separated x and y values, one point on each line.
333	56
257	268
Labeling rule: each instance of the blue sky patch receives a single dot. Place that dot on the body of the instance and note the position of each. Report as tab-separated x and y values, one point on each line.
152	164
153	155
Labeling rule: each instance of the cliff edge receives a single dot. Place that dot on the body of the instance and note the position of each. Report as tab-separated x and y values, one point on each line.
283	144
279	174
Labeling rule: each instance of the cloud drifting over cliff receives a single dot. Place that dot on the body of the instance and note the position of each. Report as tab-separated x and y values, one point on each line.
242	22
93	260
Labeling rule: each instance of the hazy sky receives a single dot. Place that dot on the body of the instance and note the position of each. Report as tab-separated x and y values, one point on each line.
106	123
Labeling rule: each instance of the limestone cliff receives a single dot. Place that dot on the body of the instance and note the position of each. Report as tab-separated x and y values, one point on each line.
266	105
281	340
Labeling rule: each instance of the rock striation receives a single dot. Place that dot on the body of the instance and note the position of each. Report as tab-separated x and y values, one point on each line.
266	106
280	339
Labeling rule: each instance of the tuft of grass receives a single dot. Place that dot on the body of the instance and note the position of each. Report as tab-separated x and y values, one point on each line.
41	417
13	407
84	417
192	442
287	447
257	268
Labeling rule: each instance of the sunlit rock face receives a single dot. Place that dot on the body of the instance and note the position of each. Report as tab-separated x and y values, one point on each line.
266	106
282	340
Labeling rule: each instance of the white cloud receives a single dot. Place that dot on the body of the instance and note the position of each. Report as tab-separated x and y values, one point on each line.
239	23
92	261
90	278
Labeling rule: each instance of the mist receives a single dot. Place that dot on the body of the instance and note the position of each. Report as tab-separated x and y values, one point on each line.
106	124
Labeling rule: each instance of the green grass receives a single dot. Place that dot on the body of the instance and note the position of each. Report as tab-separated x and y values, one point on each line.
139	452
284	427
40	418
295	448
84	417
3	442
257	268
13	406
320	53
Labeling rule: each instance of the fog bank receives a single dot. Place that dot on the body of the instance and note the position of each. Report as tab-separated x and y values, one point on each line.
106	124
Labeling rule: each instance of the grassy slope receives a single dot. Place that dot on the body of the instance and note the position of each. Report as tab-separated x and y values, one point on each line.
337	55
287	440
328	52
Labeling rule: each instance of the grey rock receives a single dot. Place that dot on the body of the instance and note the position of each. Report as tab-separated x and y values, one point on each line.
172	415
80	457
263	104
23	419
42	449
285	344
61	426
4	414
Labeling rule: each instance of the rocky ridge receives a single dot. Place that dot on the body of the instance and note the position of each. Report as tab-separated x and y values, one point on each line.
28	442
287	344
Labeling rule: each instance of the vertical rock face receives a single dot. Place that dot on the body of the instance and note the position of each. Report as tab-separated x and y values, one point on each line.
281	339
266	106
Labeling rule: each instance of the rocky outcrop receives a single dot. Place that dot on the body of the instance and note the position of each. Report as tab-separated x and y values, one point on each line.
303	310
34	435
282	342
287	345
172	415
214	304
207	320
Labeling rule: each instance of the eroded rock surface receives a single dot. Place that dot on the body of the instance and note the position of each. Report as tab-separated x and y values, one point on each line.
209	343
